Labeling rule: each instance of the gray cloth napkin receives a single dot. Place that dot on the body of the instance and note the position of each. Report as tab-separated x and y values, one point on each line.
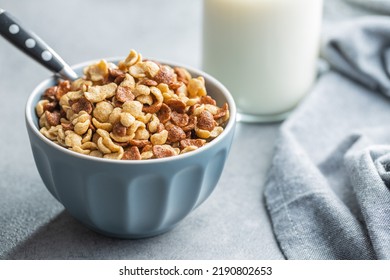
328	188
382	6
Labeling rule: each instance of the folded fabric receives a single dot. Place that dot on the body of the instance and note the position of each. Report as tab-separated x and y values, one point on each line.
328	188
382	6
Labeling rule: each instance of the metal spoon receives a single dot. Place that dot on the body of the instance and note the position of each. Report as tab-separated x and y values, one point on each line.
34	46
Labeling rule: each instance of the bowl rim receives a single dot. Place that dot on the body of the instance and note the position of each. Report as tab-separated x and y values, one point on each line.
30	112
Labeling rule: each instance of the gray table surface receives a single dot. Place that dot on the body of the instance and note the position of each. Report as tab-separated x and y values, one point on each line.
231	224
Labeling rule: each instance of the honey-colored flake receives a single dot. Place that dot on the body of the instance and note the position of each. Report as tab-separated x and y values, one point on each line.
126	119
102	111
134	108
97	72
196	87
159	138
39	109
72	139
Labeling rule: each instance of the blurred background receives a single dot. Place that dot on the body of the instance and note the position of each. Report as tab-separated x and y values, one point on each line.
94	29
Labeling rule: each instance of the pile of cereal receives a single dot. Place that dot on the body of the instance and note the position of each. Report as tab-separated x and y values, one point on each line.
138	109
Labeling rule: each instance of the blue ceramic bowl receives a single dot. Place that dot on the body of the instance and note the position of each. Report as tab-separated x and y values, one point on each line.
130	199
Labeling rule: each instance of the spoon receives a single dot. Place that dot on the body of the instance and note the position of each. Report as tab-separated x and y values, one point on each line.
34	46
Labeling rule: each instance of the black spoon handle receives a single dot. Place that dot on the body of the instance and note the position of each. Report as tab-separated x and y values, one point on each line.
33	46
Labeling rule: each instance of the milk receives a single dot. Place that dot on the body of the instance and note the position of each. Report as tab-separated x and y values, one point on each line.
263	51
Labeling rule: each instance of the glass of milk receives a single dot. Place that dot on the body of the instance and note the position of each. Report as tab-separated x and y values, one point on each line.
264	51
